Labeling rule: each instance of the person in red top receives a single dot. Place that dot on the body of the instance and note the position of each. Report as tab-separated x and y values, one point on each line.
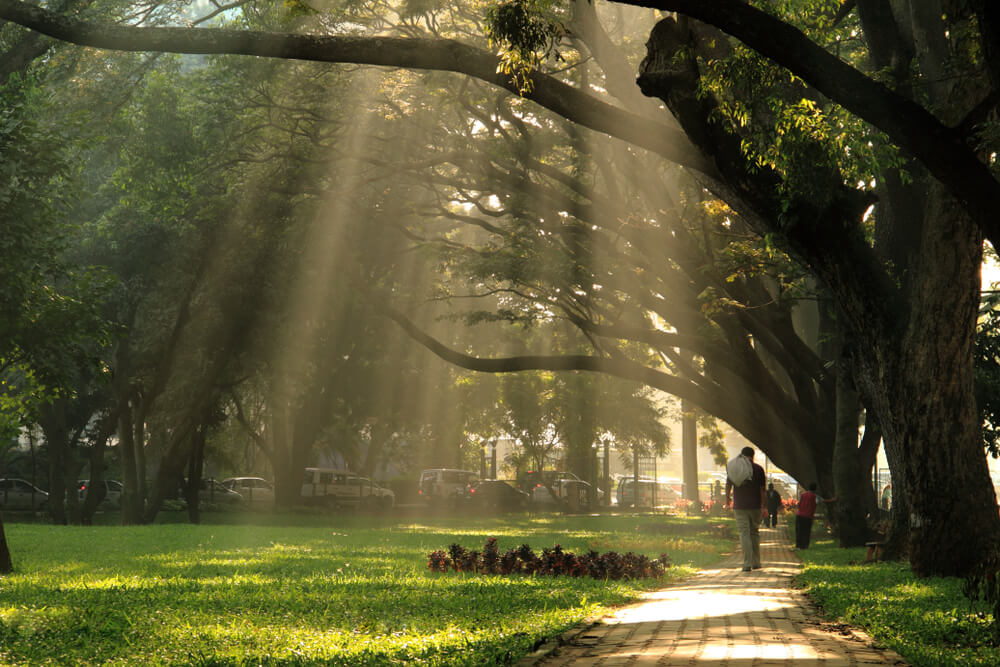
804	517
748	509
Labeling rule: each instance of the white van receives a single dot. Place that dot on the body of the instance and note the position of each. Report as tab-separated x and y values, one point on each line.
334	487
444	485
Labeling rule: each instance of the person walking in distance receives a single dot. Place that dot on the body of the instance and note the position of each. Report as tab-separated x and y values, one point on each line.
773	500
807	512
745	482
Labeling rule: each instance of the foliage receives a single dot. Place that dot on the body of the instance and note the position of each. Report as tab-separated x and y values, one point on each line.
301	589
51	325
553	562
988	372
526	31
982	584
786	126
928	620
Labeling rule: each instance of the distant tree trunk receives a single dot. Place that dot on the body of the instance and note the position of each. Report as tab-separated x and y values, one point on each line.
133	495
6	565
689	450
849	513
180	452
376	445
97	491
132	500
196	465
52	419
281	432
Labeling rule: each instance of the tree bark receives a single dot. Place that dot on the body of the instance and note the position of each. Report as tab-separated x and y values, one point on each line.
52	419
851	479
6	564
924	401
132	500
689	451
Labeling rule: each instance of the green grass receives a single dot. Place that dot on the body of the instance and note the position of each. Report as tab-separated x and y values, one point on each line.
927	621
292	589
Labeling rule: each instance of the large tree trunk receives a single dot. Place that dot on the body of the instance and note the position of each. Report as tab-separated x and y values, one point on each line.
922	381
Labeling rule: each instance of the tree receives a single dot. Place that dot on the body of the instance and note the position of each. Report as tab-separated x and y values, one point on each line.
909	303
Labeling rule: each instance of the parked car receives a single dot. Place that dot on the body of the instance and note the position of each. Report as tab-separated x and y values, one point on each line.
497	495
211	491
255	490
334	487
439	486
533	479
665	492
568	488
569	493
17	494
113	490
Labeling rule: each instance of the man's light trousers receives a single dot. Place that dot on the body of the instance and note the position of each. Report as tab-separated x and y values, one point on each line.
748	523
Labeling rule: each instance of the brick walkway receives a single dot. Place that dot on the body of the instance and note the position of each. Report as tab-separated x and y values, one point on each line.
719	617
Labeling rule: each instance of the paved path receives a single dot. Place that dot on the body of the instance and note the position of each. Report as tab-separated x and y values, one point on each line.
719	617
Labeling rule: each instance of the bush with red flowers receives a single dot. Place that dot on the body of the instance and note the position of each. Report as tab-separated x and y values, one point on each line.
552	562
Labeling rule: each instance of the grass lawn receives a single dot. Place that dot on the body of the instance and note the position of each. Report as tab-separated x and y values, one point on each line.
295	589
927	621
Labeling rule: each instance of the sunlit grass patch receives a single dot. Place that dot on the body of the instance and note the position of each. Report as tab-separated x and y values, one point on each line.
927	621
344	590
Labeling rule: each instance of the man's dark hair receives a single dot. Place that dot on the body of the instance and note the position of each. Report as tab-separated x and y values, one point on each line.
747	451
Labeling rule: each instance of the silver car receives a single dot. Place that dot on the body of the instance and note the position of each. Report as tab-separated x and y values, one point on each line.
112	492
17	494
254	490
211	491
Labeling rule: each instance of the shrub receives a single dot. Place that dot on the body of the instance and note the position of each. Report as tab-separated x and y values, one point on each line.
491	557
983	584
438	561
553	562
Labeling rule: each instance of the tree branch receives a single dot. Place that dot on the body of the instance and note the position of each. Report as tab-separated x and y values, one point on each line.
944	151
412	53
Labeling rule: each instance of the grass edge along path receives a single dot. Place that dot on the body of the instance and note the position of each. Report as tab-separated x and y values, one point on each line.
929	622
346	590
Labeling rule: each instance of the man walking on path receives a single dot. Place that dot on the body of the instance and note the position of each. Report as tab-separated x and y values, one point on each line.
773	505
748	508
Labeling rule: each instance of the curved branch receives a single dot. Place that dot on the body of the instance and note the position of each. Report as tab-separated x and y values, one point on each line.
412	53
756	425
943	150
